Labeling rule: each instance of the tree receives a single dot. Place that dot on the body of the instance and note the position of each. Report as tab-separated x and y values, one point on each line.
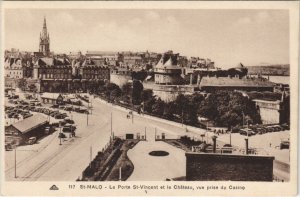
115	93
127	89
158	107
32	88
146	95
169	111
137	88
227	108
148	104
109	87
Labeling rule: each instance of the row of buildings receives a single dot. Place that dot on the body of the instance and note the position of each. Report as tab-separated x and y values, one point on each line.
168	74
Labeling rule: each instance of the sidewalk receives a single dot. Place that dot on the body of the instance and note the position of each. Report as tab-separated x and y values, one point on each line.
191	129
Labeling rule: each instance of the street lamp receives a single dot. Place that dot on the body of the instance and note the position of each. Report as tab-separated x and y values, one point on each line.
16	159
243	118
60	134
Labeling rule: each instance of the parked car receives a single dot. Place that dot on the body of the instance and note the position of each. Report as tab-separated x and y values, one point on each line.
68	128
247	131
77	109
31	140
270	129
55	124
68	120
84	111
8	147
27	116
284	144
31	108
55	106
68	108
49	130
61	135
59	116
62	122
260	131
285	126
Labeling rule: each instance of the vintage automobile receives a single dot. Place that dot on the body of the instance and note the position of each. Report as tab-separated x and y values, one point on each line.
8	147
69	128
284	144
31	140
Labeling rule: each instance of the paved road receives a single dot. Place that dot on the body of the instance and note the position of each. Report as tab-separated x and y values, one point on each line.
49	161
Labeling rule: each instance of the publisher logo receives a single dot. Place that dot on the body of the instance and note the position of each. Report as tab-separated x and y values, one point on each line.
54	187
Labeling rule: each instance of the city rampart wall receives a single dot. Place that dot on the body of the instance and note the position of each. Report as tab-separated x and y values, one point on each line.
120	80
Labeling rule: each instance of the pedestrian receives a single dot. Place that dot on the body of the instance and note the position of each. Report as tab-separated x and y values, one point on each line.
270	145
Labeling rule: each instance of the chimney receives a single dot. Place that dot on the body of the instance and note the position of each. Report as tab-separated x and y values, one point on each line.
246	140
282	96
214	138
198	79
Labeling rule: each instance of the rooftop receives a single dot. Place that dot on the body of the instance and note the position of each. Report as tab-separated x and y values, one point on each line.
30	123
226	81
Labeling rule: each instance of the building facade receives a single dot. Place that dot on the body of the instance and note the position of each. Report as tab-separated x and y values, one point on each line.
13	68
19	132
120	76
167	72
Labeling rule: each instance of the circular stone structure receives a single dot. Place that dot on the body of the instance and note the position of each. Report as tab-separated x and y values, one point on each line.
159	153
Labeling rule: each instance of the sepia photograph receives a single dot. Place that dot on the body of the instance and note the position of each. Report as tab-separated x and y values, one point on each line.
101	96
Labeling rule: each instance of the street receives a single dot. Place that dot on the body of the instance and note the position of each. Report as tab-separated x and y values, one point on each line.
49	161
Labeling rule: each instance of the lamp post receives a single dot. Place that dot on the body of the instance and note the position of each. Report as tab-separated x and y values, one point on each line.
16	159
182	117
91	106
87	116
243	118
60	134
230	138
206	132
111	126
15	162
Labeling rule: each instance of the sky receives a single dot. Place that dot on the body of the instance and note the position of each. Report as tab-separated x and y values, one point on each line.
227	37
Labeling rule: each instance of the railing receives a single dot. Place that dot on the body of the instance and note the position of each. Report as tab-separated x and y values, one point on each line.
277	179
228	150
209	149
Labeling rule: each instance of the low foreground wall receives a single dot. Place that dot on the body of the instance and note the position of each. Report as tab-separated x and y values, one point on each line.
218	167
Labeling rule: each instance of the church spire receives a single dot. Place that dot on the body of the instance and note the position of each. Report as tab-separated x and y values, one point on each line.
44	40
45	25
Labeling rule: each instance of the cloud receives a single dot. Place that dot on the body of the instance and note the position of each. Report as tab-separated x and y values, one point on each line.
151	15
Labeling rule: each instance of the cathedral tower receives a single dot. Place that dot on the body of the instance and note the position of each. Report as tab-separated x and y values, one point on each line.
44	40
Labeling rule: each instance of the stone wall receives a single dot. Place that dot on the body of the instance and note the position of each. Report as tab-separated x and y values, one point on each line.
269	111
169	93
120	80
227	167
